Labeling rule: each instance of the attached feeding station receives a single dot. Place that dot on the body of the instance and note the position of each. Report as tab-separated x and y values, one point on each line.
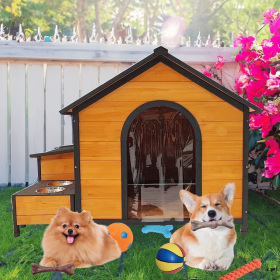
156	128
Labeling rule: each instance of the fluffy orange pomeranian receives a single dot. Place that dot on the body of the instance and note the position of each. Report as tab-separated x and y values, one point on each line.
74	238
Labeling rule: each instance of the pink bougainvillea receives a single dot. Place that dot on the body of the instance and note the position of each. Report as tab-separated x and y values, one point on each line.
211	71
259	83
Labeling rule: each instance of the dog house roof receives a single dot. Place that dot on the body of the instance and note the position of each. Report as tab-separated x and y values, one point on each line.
160	55
59	150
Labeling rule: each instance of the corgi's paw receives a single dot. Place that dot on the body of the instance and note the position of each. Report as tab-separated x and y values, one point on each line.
222	264
207	265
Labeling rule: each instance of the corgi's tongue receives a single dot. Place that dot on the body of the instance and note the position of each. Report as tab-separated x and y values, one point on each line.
212	220
70	239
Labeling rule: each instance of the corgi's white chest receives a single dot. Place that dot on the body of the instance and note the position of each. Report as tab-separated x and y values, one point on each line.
212	244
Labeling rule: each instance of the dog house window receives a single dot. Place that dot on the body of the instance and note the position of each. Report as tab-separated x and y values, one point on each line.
160	162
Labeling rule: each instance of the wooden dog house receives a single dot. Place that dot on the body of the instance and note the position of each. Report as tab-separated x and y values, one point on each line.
139	138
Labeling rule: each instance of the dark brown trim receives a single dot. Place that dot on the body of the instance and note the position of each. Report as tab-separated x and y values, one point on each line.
72	202
245	171
125	129
78	207
60	150
16	232
39	168
160	55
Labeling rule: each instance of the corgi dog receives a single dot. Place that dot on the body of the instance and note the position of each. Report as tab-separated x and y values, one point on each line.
207	248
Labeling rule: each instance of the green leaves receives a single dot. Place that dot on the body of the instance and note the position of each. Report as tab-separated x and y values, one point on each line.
254	136
259	161
276	181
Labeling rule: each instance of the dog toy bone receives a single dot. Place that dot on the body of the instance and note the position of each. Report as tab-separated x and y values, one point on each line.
68	268
228	222
249	267
165	230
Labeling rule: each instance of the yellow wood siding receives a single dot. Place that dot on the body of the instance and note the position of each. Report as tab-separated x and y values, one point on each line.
35	205
57	167
100	130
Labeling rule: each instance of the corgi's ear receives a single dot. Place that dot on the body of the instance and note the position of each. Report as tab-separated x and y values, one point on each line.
188	199
62	210
228	192
86	215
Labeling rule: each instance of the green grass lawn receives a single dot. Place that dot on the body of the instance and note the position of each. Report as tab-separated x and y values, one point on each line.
17	254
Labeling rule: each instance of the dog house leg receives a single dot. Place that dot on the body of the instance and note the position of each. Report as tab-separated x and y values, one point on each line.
16	227
244	231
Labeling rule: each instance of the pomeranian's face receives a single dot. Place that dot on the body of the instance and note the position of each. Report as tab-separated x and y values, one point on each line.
71	226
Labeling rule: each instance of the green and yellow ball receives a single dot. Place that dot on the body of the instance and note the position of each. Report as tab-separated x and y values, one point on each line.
170	258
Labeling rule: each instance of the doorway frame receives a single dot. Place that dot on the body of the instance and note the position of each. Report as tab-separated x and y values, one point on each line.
124	133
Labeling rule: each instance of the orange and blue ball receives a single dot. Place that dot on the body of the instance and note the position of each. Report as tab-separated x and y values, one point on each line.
122	234
170	258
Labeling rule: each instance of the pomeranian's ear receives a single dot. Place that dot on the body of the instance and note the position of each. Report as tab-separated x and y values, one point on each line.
188	199
62	210
228	192
86	215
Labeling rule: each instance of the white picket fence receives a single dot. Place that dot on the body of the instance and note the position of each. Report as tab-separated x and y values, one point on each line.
35	86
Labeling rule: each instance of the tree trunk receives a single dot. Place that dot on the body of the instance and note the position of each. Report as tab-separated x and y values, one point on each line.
100	33
81	27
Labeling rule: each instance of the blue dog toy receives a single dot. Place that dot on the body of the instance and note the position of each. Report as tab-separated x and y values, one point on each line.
165	230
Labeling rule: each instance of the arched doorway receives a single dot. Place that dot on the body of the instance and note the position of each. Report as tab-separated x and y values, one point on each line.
160	142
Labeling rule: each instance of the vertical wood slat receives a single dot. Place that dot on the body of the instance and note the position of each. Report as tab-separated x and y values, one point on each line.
53	106
89	79
35	117
4	162
71	93
106	72
18	153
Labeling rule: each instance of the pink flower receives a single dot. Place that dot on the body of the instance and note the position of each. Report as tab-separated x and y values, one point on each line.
244	69
273	164
272	84
271	108
258	73
242	81
256	121
275	119
246	42
207	67
268	174
275	26
247	56
273	144
268	15
270	47
267	125
206	73
255	89
273	70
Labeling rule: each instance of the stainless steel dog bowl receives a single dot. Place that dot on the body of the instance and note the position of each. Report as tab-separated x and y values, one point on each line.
59	183
51	190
